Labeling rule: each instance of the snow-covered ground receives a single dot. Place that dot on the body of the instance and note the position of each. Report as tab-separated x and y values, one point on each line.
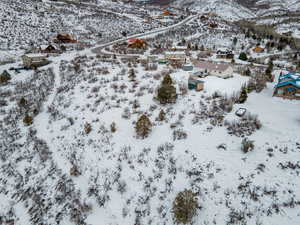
123	179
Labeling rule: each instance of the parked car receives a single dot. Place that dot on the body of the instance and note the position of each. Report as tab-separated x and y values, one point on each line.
241	112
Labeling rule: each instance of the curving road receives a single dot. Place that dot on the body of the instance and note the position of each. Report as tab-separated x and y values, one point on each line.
98	48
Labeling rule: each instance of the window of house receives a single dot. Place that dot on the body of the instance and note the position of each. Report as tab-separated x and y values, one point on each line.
280	91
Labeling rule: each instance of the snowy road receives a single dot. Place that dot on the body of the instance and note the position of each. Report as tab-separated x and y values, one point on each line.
160	30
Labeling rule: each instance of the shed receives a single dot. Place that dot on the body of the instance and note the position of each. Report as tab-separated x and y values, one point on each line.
188	67
193	83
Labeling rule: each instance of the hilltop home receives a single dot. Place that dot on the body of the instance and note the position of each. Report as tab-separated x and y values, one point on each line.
65	38
224	54
175	56
258	49
222	70
50	49
288	86
32	61
136	43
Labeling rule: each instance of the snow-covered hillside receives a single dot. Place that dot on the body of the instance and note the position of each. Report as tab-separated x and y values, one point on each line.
240	9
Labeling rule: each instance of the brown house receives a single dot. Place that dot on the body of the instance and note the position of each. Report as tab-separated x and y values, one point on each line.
65	38
258	49
288	86
136	43
50	49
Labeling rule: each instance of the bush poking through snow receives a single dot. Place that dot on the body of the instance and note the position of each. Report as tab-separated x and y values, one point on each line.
247	145
143	126
113	127
87	128
126	113
179	134
245	126
162	115
28	120
243	95
185	206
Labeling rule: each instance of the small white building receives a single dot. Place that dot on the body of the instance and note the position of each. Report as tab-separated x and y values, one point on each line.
34	60
222	70
176	56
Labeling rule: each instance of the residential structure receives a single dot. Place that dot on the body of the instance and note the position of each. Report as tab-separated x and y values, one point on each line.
32	61
194	83
258	49
65	38
224	54
50	49
222	70
288	86
175	56
136	43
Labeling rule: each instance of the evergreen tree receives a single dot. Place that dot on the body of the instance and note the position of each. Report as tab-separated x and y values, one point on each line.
243	56
234	41
143	126
167	92
185	206
243	95
4	77
162	115
167	80
248	72
131	75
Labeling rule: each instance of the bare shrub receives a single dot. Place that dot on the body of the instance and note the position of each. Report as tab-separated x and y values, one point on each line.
179	134
245	126
126	113
87	128
185	206
247	145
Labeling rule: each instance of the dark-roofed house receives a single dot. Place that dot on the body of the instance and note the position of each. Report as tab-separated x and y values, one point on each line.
224	54
222	70
288	86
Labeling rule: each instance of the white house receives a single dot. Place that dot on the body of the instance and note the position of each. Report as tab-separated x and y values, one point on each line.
176	56
222	70
34	60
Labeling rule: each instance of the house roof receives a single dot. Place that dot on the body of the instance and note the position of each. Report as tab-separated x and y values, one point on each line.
135	40
32	55
289	79
211	66
258	49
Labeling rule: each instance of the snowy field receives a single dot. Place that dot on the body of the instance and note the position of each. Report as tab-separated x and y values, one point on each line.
81	162
126	180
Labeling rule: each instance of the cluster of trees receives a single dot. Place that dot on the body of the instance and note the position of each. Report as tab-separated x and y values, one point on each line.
166	94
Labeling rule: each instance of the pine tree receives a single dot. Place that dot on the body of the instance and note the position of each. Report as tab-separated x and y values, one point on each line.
185	206
143	126
167	92
162	115
243	95
243	56
131	75
4	77
247	72
167	80
234	41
